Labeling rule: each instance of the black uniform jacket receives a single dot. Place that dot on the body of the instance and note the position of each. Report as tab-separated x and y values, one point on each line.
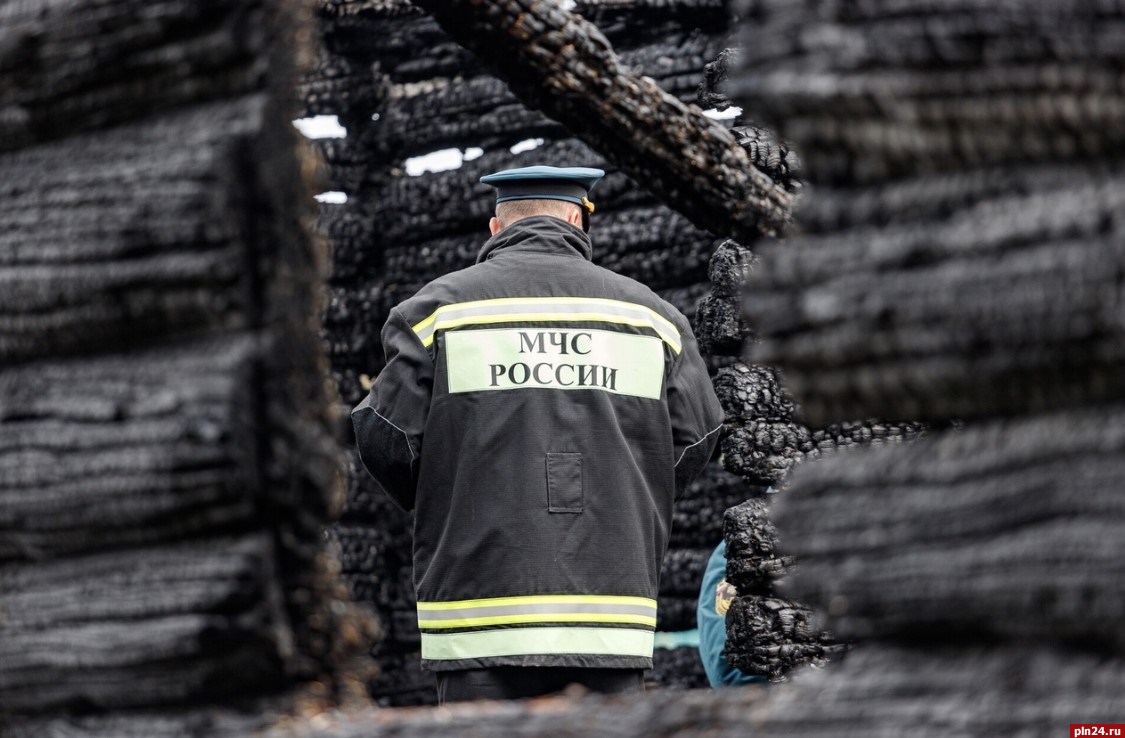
538	413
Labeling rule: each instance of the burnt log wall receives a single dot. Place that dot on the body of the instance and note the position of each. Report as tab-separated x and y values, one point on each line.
167	454
958	261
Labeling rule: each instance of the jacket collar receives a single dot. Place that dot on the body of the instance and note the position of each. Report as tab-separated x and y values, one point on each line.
541	234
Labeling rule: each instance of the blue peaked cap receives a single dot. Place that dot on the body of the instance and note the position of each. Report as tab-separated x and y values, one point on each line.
572	184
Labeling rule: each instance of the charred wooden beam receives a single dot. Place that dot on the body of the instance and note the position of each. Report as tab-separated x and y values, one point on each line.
754	561
70	65
874	691
167	456
107	244
697	519
771	637
481	108
563	65
128	449
171	624
1004	529
767	436
878	92
904	320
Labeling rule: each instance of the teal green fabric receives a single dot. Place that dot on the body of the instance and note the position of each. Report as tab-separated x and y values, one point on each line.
713	627
677	638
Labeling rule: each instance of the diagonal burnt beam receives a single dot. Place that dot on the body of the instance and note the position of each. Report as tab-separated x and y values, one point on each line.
559	63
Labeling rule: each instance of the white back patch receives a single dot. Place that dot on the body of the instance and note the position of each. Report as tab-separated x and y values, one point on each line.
558	358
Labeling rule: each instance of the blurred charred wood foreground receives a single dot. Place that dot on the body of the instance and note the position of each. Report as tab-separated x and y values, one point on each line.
876	691
963	251
958	261
167	460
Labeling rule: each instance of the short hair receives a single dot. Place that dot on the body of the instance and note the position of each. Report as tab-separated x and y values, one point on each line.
510	211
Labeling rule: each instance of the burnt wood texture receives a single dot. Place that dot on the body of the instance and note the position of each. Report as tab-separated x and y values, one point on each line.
557	61
951	148
167	454
956	261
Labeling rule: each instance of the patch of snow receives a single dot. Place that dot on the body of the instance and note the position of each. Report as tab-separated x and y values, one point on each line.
435	161
526	145
473	152
731	112
321	126
335	198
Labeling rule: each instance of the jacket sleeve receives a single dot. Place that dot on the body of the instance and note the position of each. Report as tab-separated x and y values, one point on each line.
389	424
695	412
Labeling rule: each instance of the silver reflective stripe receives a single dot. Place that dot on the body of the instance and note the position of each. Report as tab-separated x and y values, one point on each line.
539	609
547	309
484	644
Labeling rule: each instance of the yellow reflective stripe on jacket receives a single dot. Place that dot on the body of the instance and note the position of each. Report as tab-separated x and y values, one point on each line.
547	310
563	617
484	644
540	599
538	609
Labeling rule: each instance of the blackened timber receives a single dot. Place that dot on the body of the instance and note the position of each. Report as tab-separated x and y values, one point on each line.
70	65
142	627
561	64
1005	529
106	243
905	321
874	692
920	88
770	637
135	448
167	458
766	435
754	561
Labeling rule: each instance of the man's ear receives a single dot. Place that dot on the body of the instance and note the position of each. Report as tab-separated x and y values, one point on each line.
574	217
494	225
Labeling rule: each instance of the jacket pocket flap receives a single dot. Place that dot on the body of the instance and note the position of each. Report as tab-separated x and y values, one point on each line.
564	483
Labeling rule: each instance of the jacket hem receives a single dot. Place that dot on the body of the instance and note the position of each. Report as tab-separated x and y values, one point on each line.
571	660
